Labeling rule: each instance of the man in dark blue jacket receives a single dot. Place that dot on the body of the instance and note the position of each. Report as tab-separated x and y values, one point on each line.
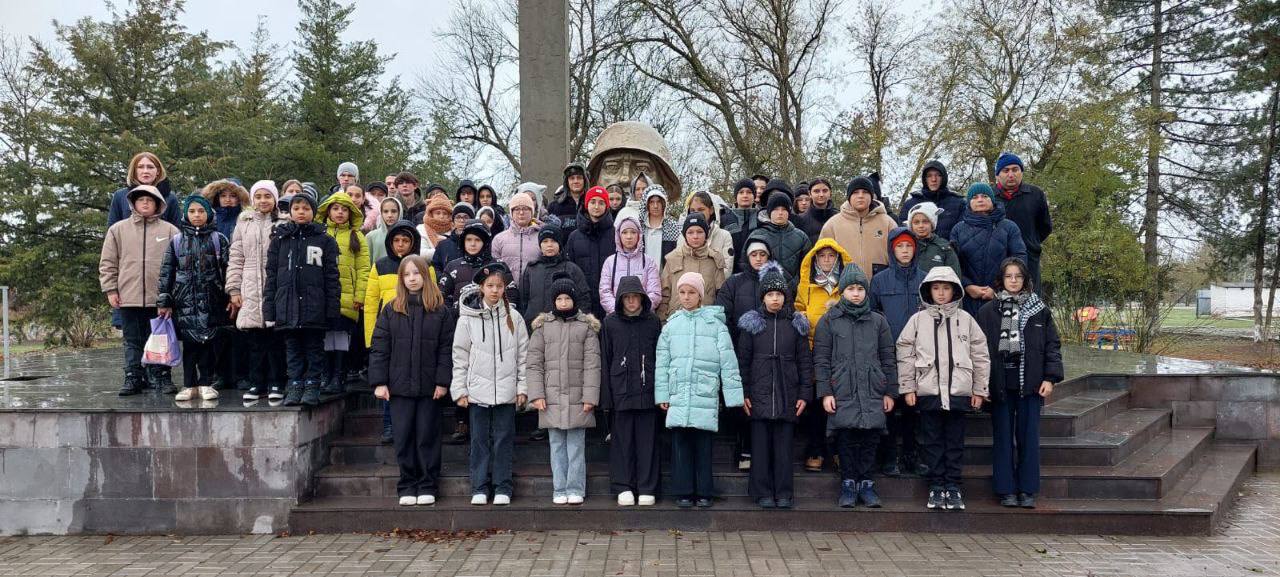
1027	206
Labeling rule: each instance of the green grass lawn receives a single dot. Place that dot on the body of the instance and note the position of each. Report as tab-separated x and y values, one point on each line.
1186	317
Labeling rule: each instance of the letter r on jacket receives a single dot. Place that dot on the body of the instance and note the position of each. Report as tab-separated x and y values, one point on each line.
314	256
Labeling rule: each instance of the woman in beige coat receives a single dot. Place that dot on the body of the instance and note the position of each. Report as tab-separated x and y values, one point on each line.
564	386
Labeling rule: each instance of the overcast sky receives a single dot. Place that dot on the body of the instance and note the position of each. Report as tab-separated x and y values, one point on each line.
405	28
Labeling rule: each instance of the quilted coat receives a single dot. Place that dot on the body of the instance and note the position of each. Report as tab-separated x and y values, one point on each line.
696	364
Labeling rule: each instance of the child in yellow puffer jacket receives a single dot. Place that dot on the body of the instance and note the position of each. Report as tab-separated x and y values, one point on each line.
342	220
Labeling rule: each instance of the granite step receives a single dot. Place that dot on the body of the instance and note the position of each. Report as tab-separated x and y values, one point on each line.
1191	507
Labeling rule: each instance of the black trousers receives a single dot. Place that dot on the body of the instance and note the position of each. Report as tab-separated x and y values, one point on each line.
135	323
814	424
903	423
691	463
633	452
199	361
736	422
228	358
857	450
264	358
416	433
942	442
771	459
304	354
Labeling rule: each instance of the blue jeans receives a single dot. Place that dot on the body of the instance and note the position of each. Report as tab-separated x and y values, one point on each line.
1015	444
492	440
568	462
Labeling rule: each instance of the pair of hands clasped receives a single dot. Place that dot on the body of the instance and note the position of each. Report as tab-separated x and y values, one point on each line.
382	392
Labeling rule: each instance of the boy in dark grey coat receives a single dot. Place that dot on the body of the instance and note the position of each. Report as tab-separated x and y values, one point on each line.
856	371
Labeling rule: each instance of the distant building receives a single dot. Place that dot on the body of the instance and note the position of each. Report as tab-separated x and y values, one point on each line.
1234	299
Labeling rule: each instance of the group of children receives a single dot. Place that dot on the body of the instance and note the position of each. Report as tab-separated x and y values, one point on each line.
444	322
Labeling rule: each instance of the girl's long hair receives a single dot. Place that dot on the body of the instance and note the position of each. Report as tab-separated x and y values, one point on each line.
132	177
430	294
353	241
1013	261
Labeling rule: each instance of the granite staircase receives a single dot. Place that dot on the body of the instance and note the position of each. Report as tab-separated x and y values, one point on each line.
1107	468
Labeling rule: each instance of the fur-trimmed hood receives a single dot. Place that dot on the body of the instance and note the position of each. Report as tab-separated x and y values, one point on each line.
588	318
754	321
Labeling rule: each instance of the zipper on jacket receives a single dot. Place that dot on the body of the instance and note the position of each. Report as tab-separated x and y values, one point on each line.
776	376
145	237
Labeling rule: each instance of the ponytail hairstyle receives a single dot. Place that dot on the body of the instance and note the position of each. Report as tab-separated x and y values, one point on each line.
430	293
500	273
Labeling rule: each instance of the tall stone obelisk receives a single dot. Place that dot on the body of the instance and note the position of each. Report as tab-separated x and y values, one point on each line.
544	91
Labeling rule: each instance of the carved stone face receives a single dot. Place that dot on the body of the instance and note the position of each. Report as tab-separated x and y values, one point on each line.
621	167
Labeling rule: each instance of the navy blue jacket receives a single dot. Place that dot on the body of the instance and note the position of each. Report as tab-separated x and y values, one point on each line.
895	293
984	241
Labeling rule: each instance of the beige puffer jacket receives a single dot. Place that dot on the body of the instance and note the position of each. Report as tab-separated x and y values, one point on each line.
942	351
564	369
247	268
683	259
133	252
865	238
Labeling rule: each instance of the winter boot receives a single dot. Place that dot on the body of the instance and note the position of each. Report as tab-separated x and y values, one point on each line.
132	384
867	494
848	493
293	394
335	382
311	393
163	378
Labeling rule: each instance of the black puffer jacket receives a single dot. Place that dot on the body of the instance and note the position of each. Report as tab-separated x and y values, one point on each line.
536	297
564	207
412	353
1041	351
775	362
302	289
812	220
588	247
740	294
628	350
192	282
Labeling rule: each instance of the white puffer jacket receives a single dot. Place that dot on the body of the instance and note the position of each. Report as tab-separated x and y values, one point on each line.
490	347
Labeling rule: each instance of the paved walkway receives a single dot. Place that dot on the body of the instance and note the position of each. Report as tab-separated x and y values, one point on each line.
1247	544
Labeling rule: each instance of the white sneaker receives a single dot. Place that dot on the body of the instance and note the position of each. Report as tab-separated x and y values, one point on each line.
185	394
575	499
480	499
208	393
626	499
408	501
559	500
501	499
426	499
646	500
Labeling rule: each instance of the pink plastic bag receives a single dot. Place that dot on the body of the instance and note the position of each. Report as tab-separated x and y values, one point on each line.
162	346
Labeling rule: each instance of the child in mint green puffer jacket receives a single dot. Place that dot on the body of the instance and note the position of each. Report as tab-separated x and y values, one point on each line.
696	362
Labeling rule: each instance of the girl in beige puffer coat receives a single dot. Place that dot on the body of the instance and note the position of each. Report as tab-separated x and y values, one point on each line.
564	386
246	279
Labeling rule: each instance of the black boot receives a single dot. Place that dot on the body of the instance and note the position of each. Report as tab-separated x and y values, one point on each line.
311	393
335	378
293	394
132	384
163	378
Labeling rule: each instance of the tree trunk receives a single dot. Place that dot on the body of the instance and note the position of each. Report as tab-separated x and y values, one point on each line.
1264	220
1151	216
